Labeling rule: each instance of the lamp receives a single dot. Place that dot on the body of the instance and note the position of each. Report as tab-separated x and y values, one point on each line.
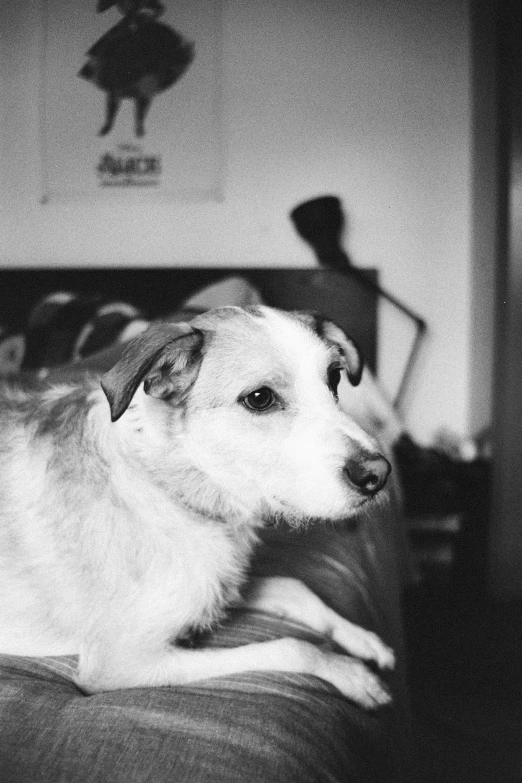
320	222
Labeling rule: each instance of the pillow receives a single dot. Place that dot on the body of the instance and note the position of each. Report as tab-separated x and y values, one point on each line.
233	290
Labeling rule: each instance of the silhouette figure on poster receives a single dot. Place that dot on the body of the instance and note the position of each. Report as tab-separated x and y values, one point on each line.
137	58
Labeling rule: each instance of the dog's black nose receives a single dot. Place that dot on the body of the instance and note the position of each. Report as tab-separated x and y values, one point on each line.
368	472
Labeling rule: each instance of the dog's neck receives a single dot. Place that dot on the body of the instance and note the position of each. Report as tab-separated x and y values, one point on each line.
221	513
195	492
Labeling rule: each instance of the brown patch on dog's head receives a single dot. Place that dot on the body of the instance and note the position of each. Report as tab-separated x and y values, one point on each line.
332	334
165	358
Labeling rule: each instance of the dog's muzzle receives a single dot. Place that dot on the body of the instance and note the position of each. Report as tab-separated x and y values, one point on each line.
367	472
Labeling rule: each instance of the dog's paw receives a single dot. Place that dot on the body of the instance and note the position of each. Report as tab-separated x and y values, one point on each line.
354	680
364	644
290	598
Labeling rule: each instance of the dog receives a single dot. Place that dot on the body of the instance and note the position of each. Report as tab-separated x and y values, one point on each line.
130	505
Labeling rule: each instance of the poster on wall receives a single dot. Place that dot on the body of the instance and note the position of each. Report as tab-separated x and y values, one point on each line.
130	103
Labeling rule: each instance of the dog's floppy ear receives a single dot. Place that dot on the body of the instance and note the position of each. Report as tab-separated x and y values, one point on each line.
331	333
166	358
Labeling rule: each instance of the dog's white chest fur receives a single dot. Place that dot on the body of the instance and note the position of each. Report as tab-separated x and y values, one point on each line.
90	521
178	575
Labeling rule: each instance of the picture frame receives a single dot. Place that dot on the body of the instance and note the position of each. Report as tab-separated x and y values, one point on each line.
130	103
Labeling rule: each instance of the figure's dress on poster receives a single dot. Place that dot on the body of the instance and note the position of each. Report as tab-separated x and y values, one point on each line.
137	54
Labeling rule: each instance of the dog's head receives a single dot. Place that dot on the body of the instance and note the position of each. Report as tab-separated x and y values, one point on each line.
239	411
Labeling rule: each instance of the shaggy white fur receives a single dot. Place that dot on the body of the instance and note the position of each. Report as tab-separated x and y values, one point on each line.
129	508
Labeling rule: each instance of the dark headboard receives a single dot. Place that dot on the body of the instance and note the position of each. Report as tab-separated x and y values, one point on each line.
159	291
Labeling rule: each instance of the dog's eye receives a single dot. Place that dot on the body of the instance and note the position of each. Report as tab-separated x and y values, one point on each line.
334	378
259	400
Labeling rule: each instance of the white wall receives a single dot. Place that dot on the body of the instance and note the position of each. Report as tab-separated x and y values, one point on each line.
365	99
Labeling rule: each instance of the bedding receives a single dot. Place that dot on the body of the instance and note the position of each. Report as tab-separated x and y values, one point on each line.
254	727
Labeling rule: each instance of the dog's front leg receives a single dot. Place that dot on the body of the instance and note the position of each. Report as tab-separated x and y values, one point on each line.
177	666
291	599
